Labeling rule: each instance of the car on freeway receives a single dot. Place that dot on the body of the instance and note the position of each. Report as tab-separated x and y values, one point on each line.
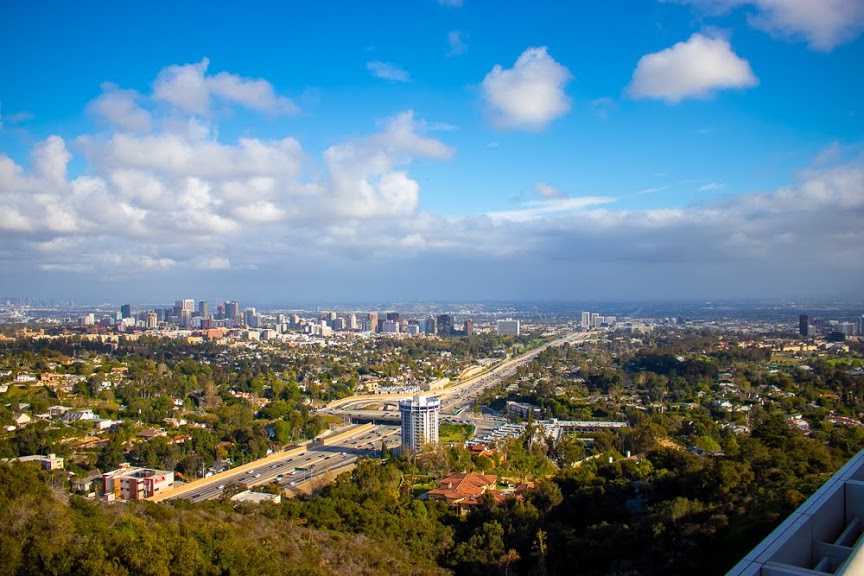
220	487
196	495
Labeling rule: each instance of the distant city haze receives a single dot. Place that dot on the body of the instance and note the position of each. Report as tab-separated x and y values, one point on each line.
446	151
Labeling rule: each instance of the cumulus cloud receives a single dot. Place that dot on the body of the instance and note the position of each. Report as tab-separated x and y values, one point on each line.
363	180
531	94
120	108
388	71
823	25
693	69
163	191
177	197
190	89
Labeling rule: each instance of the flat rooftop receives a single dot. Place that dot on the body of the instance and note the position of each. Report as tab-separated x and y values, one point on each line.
823	536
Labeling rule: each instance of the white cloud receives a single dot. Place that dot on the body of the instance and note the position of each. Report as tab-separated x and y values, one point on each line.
710	186
362	180
180	198
531	94
259	212
120	108
388	71
456	43
555	206
213	263
451	3
548	191
189	89
652	190
823	24
693	69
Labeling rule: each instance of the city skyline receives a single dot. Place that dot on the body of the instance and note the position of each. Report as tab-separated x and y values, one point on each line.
432	151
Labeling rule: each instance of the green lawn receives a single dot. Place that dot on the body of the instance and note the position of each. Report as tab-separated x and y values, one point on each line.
455	432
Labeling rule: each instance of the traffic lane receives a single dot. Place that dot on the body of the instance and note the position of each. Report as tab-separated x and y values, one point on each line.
320	455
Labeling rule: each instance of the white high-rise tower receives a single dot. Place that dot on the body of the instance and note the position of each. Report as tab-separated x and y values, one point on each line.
419	422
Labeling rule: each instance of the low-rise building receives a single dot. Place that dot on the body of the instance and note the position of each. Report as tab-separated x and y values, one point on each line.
462	490
131	483
21	419
78	415
48	463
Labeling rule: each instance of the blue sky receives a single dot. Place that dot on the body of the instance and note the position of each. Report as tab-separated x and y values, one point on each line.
432	150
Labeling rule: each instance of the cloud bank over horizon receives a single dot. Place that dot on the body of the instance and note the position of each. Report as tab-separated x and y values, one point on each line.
163	196
444	150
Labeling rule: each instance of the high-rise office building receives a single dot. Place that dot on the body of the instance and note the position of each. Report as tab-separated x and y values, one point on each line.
469	327
586	320
152	321
373	321
232	310
430	325
445	324
508	327
126	311
390	327
419	422
203	311
393	317
804	325
351	321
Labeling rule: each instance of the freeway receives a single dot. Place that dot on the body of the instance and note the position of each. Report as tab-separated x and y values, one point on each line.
456	399
304	464
295	467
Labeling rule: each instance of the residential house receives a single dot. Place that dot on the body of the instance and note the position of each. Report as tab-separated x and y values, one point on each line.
462	491
20	419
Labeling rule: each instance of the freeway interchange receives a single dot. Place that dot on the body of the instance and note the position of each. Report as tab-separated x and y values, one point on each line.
300	467
296	468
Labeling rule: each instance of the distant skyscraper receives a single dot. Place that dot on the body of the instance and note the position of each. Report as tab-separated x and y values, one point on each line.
469	327
126	311
373	321
804	325
393	316
445	324
152	321
586	320
351	321
508	327
419	422
390	327
430	325
202	309
232	310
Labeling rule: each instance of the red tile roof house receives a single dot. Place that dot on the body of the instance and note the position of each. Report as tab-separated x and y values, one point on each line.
463	490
